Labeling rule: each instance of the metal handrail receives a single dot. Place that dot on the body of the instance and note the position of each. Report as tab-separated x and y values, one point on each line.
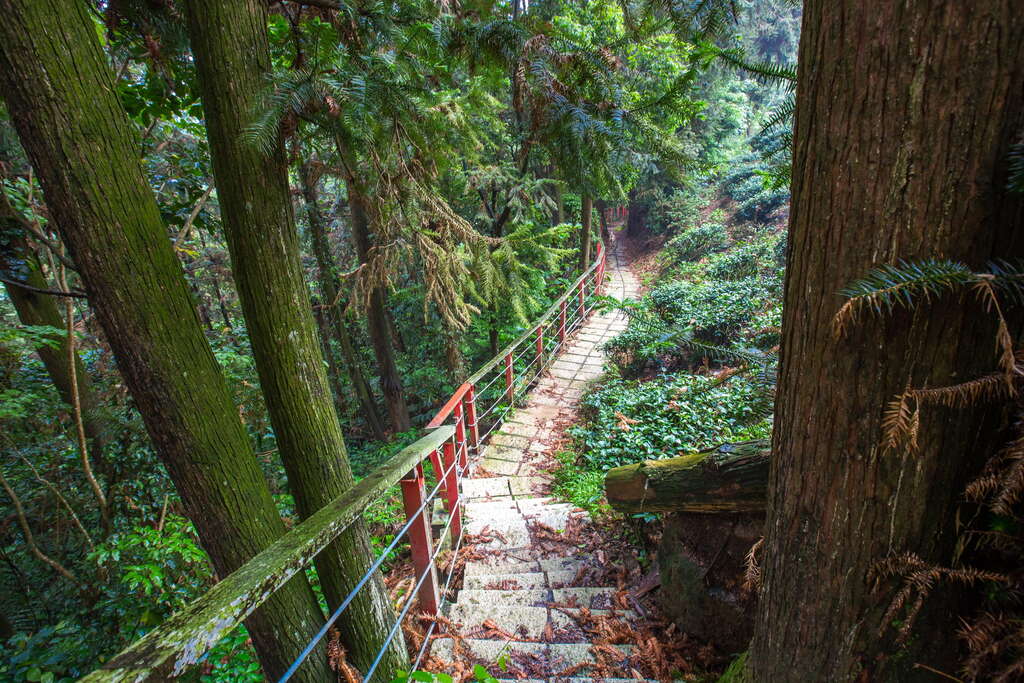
185	638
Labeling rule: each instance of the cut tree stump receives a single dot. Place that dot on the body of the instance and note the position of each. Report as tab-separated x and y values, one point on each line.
728	478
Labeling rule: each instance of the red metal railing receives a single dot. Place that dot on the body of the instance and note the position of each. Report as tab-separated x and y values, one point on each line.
495	388
457	434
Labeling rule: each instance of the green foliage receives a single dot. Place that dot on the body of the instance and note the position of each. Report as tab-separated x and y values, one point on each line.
629	421
578	483
697	242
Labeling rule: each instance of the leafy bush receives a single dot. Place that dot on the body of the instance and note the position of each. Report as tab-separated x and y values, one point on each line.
697	242
679	210
745	260
715	312
629	421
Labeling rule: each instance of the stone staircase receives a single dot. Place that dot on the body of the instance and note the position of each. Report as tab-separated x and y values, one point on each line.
519	607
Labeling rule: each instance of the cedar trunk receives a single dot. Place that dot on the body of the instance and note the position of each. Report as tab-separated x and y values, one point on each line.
377	321
334	311
263	242
905	114
585	236
61	95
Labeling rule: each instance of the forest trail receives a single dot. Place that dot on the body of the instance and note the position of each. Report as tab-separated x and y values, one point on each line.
528	586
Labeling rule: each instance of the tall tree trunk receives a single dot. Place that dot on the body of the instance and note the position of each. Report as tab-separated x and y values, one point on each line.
636	216
602	217
906	160
334	313
377	323
323	326
61	95
559	204
263	242
19	262
585	231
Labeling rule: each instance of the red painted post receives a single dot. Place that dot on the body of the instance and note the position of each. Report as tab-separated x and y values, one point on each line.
419	539
540	341
451	489
582	297
509	382
561	323
435	463
460	435
469	401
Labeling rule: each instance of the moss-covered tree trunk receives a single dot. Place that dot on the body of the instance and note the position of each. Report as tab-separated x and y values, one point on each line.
585	231
377	322
61	95
905	116
334	311
263	242
20	263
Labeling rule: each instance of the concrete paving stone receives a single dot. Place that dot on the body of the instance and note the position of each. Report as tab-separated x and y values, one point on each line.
525	580
564	373
486	650
588	596
562	656
554	518
525	622
486	488
497	452
501	467
530	597
509	440
511	532
563	618
500	565
571	563
528	486
528	431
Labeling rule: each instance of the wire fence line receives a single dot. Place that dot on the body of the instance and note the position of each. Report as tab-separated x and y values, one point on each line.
187	637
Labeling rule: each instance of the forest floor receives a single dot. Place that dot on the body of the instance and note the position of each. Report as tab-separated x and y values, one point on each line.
547	591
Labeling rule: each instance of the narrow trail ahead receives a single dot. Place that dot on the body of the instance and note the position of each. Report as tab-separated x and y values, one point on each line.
525	599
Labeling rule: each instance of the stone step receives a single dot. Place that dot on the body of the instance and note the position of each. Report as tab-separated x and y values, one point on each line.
529	597
524	581
522	621
500	565
549	658
593	597
502	487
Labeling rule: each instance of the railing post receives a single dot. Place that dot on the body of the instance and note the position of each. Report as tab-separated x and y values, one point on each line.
451	488
419	539
582	297
540	341
561	323
460	435
469	400
509	382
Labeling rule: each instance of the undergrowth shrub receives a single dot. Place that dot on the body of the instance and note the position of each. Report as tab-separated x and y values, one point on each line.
628	421
694	243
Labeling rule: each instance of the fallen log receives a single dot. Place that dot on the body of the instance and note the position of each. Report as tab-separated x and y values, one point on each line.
729	478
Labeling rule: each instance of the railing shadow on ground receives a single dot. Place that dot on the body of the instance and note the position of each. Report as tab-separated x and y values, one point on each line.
452	444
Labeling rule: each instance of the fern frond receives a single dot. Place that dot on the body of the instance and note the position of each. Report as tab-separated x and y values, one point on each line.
886	287
901	422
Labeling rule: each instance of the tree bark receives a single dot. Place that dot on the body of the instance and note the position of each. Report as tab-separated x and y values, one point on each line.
377	322
905	114
636	216
334	313
727	479
585	231
61	95
263	242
